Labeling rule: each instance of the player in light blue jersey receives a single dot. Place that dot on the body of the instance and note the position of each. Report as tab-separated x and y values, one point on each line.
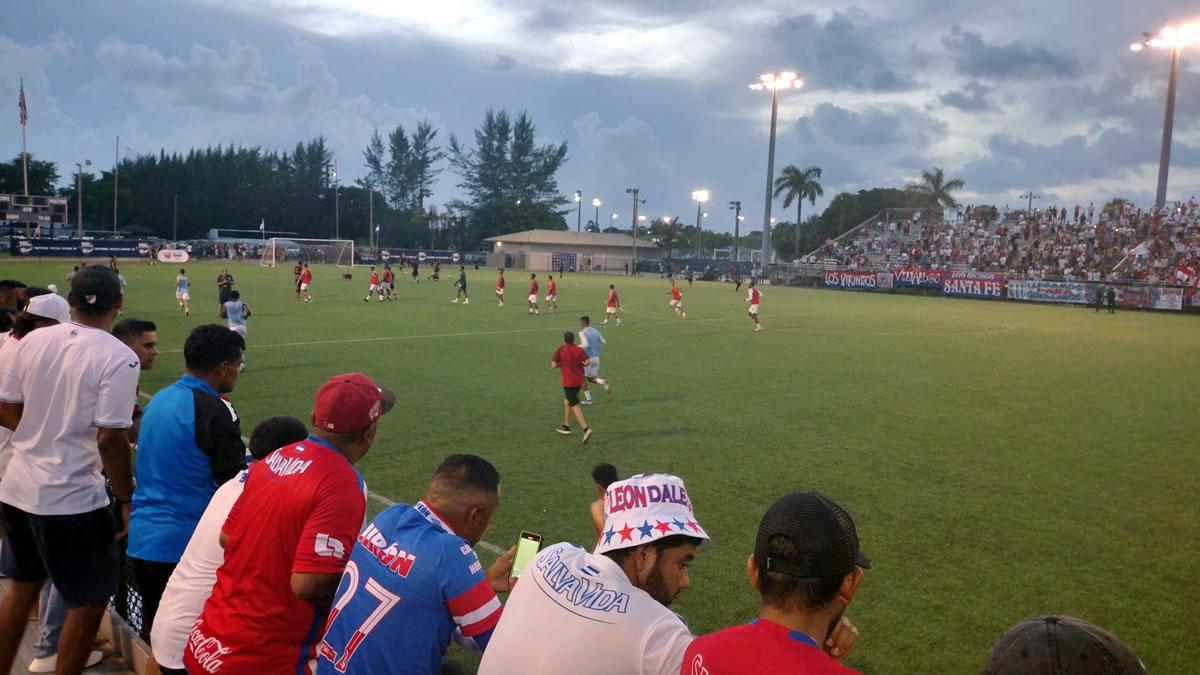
182	296
593	343
236	312
413	582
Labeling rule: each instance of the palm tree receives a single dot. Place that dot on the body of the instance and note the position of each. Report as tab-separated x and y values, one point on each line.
797	185
936	189
667	234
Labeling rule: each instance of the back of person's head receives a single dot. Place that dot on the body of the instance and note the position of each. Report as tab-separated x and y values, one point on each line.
604	474
1060	645
466	491
585	320
569	338
22	322
209	346
612	287
235	295
10	292
463	472
95	291
181	271
275	432
130	329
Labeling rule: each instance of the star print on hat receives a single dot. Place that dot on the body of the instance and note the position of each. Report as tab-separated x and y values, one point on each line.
646	508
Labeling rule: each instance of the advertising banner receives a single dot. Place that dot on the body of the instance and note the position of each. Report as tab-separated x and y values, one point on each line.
917	277
421	255
172	256
1167	298
852	280
73	248
1071	292
968	284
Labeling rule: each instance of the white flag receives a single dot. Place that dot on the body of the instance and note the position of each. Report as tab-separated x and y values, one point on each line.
262	227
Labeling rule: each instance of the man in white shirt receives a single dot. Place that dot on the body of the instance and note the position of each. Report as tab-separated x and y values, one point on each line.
78	384
606	612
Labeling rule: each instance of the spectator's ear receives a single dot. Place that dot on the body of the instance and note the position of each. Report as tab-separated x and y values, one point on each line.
752	572
850	586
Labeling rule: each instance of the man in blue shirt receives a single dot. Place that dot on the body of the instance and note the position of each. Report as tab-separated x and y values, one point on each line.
413	582
190	443
593	343
461	285
236	312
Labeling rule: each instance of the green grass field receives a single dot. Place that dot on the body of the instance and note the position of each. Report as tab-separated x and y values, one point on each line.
1000	460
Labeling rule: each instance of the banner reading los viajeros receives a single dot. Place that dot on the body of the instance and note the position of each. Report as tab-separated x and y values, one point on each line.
969	284
856	280
917	277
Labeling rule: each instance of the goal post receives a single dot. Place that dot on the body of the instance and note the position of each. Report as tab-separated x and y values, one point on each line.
336	252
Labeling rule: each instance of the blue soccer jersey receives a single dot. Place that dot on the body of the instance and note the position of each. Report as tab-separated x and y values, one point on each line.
409	583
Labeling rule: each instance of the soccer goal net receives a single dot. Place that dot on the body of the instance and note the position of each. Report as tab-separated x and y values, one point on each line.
337	252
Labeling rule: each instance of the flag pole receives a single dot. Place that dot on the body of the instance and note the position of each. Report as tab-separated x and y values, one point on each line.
24	152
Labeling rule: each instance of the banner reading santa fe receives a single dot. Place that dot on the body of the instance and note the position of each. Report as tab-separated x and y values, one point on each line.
969	284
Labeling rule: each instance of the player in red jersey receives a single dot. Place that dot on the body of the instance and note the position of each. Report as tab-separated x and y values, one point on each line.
676	302
305	282
296	271
500	289
571	359
287	540
374	286
387	288
611	306
533	294
552	295
752	297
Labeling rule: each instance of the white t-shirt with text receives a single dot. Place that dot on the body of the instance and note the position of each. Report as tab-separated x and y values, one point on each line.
72	380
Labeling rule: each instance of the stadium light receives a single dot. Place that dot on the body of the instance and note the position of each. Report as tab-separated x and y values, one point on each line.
596	203
773	82
1175	39
578	210
700	196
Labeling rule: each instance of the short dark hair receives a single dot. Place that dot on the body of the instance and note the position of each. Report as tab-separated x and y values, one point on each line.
7	314
235	295
209	346
22	322
10	285
604	474
585	319
620	555
569	338
791	593
463	472
275	432
127	329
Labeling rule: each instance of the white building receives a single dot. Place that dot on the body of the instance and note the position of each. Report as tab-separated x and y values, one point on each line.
552	250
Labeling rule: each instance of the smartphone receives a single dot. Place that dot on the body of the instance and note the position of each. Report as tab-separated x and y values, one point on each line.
528	544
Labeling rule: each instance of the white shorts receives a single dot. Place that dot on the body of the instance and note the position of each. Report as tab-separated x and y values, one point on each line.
754	309
374	287
610	310
675	303
303	287
183	296
533	299
592	369
500	291
385	286
240	329
551	298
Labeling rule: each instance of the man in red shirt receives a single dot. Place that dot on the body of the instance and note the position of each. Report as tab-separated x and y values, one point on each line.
288	538
753	296
570	359
305	280
500	289
611	305
374	286
533	294
552	295
676	302
807	566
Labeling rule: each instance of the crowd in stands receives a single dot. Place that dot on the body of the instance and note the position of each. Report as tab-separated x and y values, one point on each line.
1119	241
258	560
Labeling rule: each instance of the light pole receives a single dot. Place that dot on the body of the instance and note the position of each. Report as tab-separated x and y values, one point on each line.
736	207
700	196
578	211
596	203
636	191
1174	39
612	220
774	82
79	195
175	220
1029	196
371	214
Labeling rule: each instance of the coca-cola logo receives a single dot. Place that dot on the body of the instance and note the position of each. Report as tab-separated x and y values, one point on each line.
208	652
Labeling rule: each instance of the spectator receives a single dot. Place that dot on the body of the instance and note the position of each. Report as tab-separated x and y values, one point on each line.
445	593
1060	645
190	444
224	288
807	566
551	625
11	294
194	576
603	475
142	338
79	383
288	538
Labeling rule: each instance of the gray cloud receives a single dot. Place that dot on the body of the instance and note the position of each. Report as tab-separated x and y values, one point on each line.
971	97
504	62
1013	61
844	52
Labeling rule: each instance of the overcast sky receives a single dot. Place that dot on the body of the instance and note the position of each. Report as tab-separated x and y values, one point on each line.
1010	96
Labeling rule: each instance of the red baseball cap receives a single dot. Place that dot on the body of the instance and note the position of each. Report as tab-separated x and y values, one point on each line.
350	402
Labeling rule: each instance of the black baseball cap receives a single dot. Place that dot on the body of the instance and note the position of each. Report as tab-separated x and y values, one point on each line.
1060	645
96	287
822	533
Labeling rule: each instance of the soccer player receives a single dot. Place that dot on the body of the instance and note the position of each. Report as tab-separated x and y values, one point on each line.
603	475
753	296
374	286
305	283
236	312
415	272
807	566
676	302
552	294
500	289
461	285
288	538
533	294
296	272
417	582
550	625
192	581
437	271
611	306
181	292
386	289
593	343
571	360
224	286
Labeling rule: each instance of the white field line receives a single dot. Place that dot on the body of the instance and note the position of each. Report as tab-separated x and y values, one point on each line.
384	338
485	545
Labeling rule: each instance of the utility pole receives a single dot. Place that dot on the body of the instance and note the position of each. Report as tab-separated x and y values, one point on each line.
371	215
636	192
1164	156
116	180
578	210
736	207
79	195
175	220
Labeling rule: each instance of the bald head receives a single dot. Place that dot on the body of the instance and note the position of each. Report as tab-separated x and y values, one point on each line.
465	490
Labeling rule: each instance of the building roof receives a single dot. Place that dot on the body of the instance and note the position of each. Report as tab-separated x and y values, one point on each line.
568	238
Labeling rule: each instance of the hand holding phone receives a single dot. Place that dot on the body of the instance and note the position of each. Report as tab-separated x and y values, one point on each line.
528	545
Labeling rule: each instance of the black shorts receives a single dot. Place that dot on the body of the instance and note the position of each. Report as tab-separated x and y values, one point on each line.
572	395
78	552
